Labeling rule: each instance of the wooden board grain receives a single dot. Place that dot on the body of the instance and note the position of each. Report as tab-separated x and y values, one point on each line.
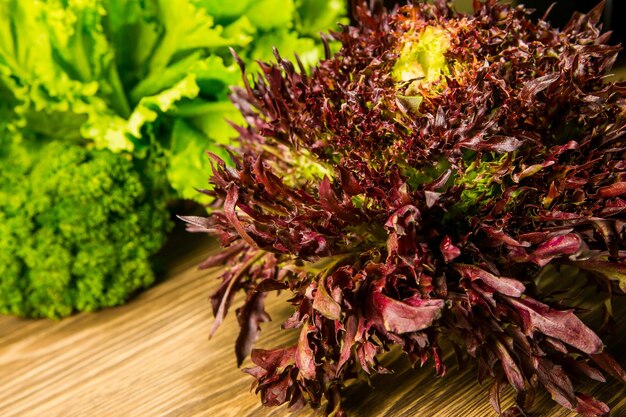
152	357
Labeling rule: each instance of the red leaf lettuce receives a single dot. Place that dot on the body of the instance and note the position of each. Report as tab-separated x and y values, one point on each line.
413	187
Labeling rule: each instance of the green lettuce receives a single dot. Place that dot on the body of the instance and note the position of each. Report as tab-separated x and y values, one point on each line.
81	233
129	75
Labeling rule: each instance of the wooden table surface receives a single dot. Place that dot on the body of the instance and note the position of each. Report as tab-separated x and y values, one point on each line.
152	357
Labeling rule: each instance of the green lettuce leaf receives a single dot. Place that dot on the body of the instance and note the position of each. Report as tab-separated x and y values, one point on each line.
319	16
189	167
127	75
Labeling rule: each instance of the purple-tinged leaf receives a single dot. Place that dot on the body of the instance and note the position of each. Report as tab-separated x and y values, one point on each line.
494	395
325	304
590	407
197	224
402	218
223	297
275	393
562	325
269	284
499	237
609	365
556	345
496	143
366	353
511	370
448	250
250	317
557	215
349	184
440	182
537	85
400	317
554	379
503	285
431	198
557	246
221	302
274	360
222	256
270	182
348	342
440	367
230	205
305	357
589	371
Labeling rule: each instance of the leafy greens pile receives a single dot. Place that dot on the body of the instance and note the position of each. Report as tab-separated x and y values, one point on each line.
105	106
126	74
77	228
415	188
